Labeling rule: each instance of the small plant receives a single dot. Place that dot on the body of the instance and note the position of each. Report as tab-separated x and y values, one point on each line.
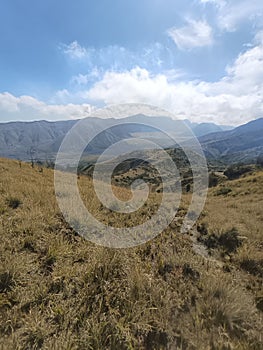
223	191
235	171
29	245
2	210
13	202
229	241
165	268
260	160
252	266
49	260
156	339
202	229
191	273
58	315
7	281
33	339
213	180
259	303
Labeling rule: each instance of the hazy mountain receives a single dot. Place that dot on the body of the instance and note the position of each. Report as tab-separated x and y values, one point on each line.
170	125
207	128
25	139
41	139
242	144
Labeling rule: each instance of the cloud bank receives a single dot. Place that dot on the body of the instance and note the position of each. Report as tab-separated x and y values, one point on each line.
234	99
28	108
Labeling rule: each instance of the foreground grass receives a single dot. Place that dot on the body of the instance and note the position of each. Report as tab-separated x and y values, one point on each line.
58	291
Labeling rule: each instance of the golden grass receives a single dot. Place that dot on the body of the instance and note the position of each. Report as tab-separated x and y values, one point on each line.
58	291
242	207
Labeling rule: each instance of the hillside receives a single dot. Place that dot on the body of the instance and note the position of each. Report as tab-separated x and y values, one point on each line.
201	290
242	144
23	140
41	140
209	128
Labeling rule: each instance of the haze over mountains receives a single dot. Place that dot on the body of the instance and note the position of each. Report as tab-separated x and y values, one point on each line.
242	144
41	139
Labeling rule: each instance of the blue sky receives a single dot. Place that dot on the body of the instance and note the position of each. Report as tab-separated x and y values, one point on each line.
200	59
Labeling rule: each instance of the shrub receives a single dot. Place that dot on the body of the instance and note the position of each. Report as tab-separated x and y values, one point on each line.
202	228
223	191
33	338
260	160
213	180
13	202
235	171
29	244
156	339
229	241
259	303
7	281
252	266
188	271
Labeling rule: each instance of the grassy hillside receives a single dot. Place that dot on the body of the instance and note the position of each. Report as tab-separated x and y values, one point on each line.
202	290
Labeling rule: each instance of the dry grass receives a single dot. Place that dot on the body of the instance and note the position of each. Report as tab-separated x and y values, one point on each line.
58	291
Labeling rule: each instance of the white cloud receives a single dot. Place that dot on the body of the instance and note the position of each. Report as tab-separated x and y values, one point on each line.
156	56
29	108
194	34
232	12
80	79
218	3
235	99
74	50
84	79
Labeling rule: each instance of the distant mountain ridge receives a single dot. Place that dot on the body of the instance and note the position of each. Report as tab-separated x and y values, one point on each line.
41	139
242	144
20	140
208	128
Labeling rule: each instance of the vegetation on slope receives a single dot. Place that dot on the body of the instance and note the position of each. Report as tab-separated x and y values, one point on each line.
58	291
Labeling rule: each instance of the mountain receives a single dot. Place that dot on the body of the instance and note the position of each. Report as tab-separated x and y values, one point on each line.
41	139
242	144
23	140
170	125
208	128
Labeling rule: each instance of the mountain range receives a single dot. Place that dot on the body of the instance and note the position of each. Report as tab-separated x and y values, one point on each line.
40	140
242	144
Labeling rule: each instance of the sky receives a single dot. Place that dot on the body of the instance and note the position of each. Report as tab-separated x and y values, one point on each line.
199	59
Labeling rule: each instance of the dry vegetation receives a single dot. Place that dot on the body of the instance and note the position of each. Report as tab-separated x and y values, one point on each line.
58	291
